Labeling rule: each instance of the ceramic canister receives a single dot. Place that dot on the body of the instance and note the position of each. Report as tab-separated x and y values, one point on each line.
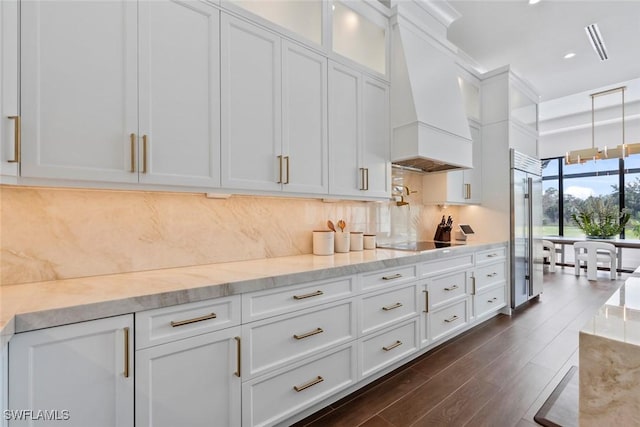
323	242
342	241
369	241
356	240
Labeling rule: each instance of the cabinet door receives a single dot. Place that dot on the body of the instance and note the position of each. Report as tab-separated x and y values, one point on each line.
189	382
8	87
79	89
179	93
376	150
473	177
251	106
84	368
345	101
304	111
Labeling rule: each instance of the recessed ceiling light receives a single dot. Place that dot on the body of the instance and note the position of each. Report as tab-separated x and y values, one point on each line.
534	1
569	55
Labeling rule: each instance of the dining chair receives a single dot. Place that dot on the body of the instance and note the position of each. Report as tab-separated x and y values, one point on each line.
592	253
549	252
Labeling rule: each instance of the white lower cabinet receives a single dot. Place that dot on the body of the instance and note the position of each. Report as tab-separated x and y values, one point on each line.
383	349
81	374
449	319
190	382
489	300
281	394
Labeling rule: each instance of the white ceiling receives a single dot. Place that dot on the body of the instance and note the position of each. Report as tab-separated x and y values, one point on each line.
533	39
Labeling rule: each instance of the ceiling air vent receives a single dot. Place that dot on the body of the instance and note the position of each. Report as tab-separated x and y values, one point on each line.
596	41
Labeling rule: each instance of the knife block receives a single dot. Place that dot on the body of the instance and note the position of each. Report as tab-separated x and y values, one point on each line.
443	234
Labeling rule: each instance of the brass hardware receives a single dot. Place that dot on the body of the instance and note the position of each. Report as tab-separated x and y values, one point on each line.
126	352
194	320
364	179
17	132
426	301
238	357
132	138
473	280
452	288
391	307
493	299
467	191
280	173
308	334
287	159
311	383
395	276
392	346
312	294
492	255
492	274
452	319
367	181
144	153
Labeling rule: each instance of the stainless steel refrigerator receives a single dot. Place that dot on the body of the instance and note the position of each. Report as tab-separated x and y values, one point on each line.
526	228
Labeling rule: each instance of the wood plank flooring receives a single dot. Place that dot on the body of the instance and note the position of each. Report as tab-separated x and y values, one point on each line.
497	374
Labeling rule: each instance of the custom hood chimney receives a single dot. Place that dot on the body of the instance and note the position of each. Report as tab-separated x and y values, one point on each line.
430	127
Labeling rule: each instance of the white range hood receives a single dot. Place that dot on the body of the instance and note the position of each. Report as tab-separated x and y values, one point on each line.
430	127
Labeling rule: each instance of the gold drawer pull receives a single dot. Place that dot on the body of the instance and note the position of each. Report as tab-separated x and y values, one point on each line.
312	294
17	133
311	383
279	181
492	275
197	319
494	299
392	346
238	356
492	255
395	276
126	352
452	319
426	301
391	307
473	283
145	143
452	288
308	334
132	139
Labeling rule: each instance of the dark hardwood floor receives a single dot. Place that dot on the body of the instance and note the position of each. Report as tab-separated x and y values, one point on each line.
497	374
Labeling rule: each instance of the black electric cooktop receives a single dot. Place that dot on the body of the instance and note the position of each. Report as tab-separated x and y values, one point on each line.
418	246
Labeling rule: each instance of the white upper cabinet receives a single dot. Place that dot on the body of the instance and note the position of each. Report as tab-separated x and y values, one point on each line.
273	112
358	134
179	91
108	93
78	89
9	111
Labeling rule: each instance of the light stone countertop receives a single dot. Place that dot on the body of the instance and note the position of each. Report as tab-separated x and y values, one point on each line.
39	305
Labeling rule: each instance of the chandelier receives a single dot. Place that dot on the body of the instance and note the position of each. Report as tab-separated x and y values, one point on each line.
595	153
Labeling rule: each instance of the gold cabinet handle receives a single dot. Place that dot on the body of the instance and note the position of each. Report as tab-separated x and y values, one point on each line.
492	255
308	334
280	171
492	300
492	274
194	320
238	356
287	170
391	307
144	153
451	288
311	295
362	185
426	301
311	383
126	352
394	276
132	138
366	187
392	346
467	191
17	132
452	319
473	283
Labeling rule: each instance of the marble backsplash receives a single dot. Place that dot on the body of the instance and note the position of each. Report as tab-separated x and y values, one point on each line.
56	233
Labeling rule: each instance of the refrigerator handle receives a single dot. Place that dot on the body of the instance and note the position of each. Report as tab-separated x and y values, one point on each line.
530	235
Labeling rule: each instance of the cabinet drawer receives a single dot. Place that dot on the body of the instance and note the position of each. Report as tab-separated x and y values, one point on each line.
489	275
491	255
448	319
275	397
381	350
384	309
259	305
489	300
167	324
445	265
443	289
389	277
283	339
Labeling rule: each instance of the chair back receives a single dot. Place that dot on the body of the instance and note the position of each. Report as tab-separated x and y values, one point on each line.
595	246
